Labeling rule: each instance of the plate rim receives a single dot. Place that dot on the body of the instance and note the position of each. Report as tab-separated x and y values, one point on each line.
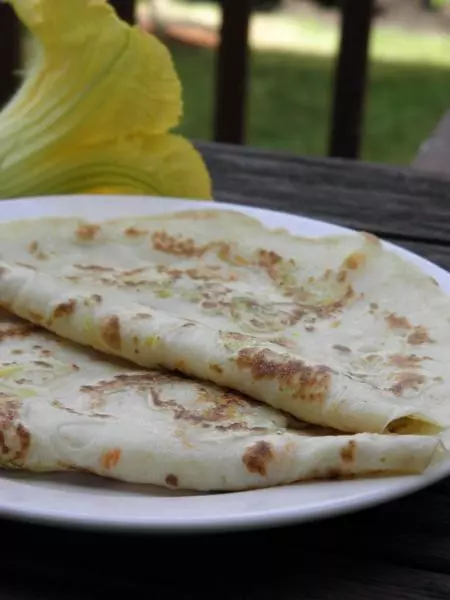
387	490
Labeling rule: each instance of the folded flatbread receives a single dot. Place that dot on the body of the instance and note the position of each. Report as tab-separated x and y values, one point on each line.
337	331
63	407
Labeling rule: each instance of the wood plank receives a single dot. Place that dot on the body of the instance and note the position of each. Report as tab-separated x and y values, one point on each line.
399	202
125	9
313	577
232	72
9	52
350	78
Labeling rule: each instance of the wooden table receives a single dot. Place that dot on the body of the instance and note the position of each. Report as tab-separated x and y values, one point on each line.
398	551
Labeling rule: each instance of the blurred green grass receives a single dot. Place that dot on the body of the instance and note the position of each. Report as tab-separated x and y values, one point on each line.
290	95
290	89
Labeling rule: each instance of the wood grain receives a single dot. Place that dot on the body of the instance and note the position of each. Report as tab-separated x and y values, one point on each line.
399	202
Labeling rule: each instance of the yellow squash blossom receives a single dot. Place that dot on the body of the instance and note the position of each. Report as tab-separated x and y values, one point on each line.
95	110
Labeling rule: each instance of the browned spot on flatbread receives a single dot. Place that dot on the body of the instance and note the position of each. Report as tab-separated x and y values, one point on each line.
258	457
110	332
65	309
178	246
348	452
309	383
19	330
136	271
355	261
207	274
33	246
269	260
142	316
133	232
87	232
406	361
110	458
234	335
216	368
94	268
35	250
15	439
172	480
419	336
394	321
222	407
340	348
407	381
42	363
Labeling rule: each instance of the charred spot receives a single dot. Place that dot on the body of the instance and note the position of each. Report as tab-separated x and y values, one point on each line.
15	439
355	261
42	363
419	336
134	232
110	332
407	361
172	480
65	309
110	458
33	247
136	271
87	232
21	330
348	452
94	268
178	246
35	250
407	381
396	322
258	457
216	368
343	349
310	383
269	260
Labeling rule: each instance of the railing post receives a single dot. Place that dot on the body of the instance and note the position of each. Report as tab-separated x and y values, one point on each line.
9	52
125	9
232	72
350	78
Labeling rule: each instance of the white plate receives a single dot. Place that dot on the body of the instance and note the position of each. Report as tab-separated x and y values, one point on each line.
88	501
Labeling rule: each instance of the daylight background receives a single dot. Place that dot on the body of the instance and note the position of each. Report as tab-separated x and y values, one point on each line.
294	44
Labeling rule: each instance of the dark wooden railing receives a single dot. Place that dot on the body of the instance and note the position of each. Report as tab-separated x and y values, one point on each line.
232	70
9	52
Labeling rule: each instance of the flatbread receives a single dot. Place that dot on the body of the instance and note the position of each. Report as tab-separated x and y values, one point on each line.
336	331
65	408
